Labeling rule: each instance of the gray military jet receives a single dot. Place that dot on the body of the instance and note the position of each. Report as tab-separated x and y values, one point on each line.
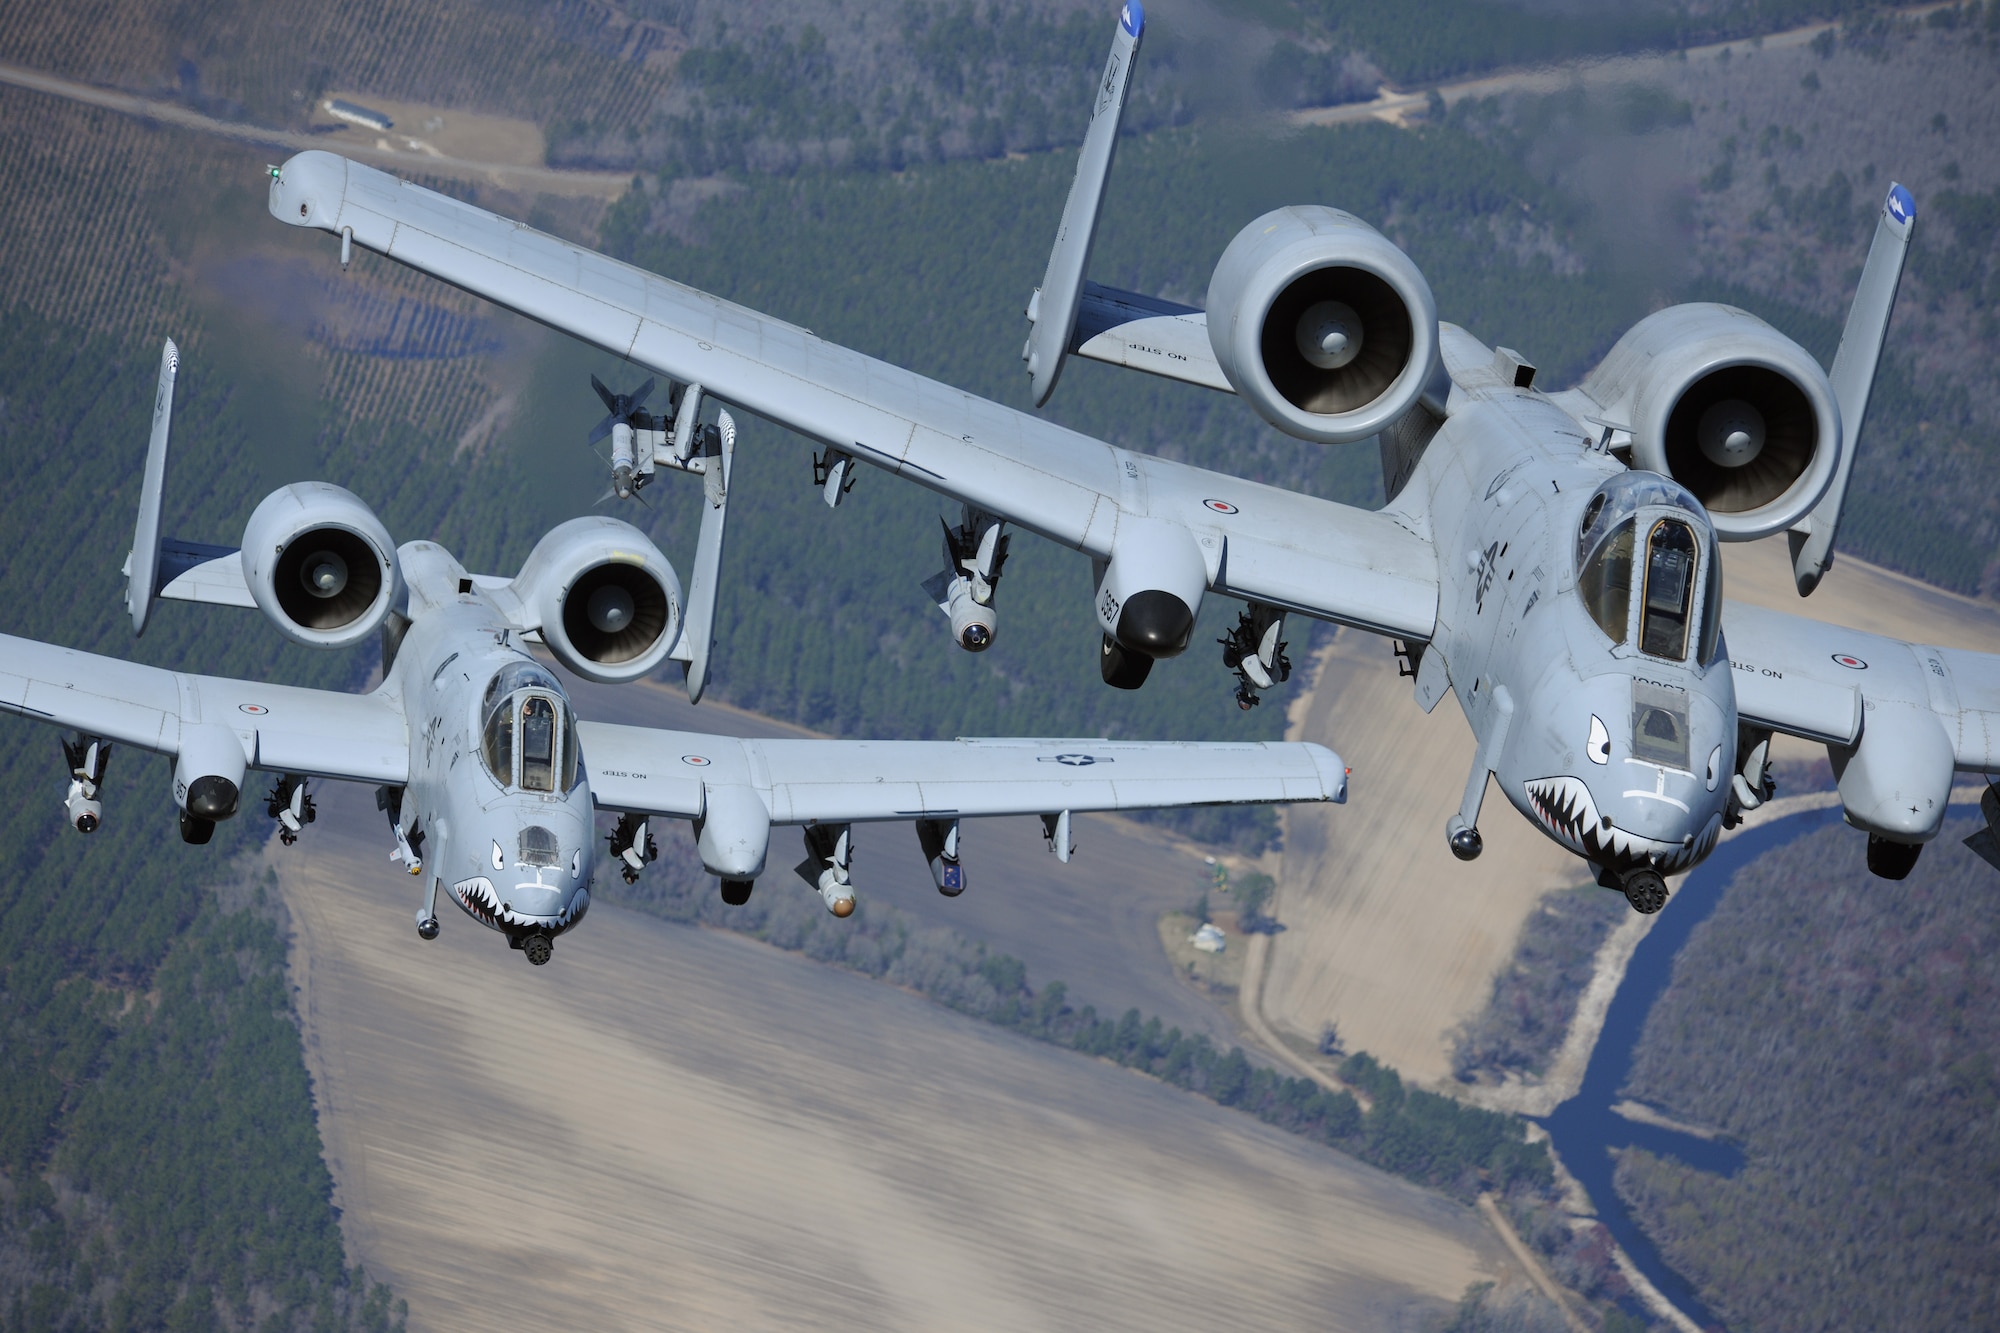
490	782
1548	557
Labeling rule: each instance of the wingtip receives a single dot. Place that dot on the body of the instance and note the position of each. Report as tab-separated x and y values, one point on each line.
1132	18
1901	204
1333	772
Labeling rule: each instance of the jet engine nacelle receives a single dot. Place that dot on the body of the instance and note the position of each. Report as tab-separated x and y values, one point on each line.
605	600
1728	407
1322	324
320	564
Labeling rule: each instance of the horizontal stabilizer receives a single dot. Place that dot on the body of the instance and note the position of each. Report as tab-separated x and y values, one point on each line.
198	572
1146	333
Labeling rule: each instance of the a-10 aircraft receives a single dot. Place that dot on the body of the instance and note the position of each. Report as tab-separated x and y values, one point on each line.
489	781
1548	557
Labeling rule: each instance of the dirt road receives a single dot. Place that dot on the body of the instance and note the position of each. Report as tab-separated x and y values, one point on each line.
1399	107
510	175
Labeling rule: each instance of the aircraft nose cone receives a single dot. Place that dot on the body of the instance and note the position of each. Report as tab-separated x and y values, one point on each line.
1155	623
535	900
1650	817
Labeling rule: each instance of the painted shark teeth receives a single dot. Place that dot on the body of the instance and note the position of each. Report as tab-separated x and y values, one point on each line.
1564	806
480	902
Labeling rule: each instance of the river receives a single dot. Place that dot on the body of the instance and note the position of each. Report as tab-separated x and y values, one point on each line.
1585	1129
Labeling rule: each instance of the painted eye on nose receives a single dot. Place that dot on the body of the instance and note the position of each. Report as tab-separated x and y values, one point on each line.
1714	767
499	858
1599	748
575	863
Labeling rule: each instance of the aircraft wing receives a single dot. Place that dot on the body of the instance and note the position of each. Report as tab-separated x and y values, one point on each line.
321	733
648	771
1260	542
1829	683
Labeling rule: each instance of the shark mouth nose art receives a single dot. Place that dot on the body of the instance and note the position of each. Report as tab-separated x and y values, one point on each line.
1565	808
483	904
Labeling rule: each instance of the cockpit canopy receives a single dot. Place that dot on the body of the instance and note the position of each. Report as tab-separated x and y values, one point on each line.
528	738
1645	545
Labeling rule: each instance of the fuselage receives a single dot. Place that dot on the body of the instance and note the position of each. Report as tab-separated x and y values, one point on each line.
1578	621
497	802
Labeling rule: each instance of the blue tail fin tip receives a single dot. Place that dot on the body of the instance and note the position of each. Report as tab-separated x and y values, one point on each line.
1133	18
1901	205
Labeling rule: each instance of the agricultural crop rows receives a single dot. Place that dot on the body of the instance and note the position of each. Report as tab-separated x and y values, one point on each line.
400	346
390	346
100	41
82	247
272	61
439	399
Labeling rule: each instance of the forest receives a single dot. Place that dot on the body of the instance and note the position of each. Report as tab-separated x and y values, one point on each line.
148	976
1846	1031
159	1157
1525	1022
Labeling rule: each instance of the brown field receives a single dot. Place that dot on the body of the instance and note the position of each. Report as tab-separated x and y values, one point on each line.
1391	939
677	1128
